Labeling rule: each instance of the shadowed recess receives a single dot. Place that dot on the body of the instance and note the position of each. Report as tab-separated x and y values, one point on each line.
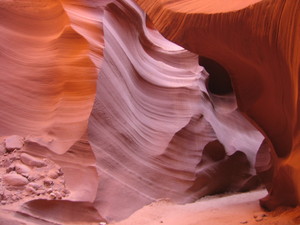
219	80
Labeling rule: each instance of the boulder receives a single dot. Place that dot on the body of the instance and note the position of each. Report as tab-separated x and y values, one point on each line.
55	173
14	142
14	180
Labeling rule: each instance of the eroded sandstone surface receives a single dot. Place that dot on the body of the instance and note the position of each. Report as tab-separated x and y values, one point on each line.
258	44
101	115
24	177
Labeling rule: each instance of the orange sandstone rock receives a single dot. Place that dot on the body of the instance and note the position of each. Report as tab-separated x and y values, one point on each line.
257	42
47	75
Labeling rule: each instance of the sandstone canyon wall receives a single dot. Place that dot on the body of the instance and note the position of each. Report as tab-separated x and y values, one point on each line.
257	43
130	117
152	118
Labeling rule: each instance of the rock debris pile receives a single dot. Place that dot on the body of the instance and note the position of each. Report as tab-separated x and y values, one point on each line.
25	176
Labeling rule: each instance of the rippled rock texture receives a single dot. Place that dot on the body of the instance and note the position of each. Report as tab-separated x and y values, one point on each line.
46	73
153	117
258	44
130	117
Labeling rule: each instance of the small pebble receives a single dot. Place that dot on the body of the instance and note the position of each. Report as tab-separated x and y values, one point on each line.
53	174
32	161
48	183
259	216
30	190
57	195
40	192
33	177
52	196
50	190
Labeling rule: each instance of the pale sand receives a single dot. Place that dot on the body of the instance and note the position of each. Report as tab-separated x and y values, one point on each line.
242	208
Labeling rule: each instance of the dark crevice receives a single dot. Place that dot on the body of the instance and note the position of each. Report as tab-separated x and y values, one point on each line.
219	81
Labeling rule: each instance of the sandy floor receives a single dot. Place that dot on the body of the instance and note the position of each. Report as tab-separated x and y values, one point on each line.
223	209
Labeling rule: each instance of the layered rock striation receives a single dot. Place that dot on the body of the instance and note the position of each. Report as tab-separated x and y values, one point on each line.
257	43
116	116
49	70
153	117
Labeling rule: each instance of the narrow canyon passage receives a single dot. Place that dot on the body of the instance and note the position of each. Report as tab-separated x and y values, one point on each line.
113	111
155	113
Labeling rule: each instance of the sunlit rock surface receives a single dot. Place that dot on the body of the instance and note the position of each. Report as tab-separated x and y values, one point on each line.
50	53
129	117
48	70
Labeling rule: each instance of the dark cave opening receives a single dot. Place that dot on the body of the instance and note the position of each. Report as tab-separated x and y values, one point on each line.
219	81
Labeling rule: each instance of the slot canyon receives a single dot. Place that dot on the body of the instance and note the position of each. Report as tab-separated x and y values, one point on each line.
147	112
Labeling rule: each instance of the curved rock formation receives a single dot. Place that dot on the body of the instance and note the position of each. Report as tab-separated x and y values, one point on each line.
48	71
258	44
50	54
152	118
157	125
